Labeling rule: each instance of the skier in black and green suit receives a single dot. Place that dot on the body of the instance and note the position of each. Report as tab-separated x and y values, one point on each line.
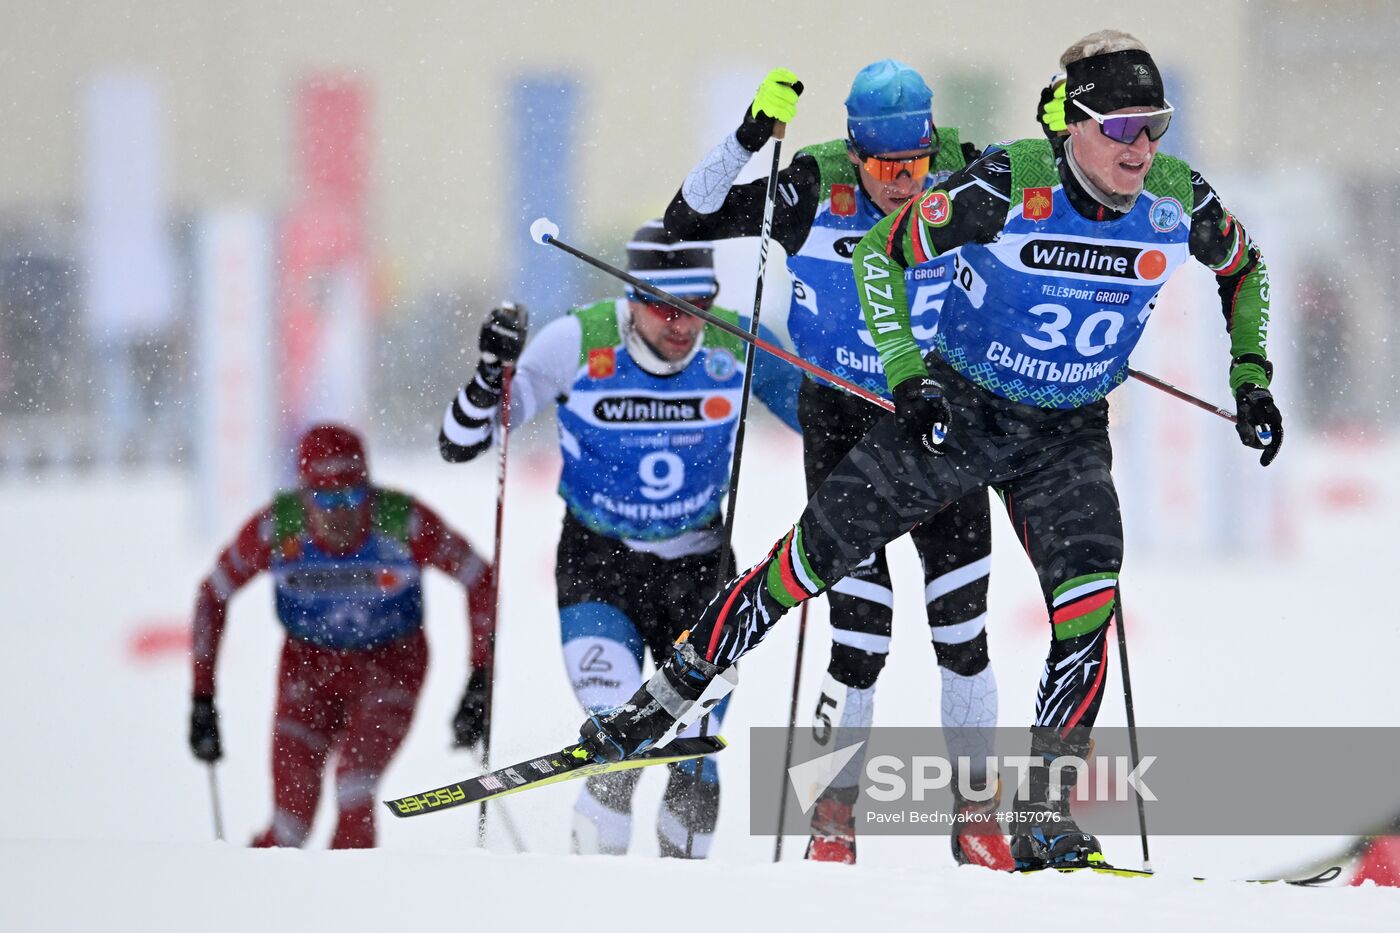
829	196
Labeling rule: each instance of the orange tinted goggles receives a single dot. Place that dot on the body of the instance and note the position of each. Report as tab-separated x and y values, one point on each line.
888	170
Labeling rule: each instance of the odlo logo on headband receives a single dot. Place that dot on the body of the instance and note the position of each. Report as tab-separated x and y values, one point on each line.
1098	259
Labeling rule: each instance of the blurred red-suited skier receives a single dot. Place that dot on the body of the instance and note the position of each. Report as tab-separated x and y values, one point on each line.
346	557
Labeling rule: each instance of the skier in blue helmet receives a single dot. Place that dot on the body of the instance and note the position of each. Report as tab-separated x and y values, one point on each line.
889	113
830	196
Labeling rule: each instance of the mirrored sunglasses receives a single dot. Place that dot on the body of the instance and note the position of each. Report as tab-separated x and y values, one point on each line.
1125	127
888	170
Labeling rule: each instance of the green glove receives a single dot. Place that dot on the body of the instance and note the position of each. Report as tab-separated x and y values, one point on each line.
1051	112
774	101
776	97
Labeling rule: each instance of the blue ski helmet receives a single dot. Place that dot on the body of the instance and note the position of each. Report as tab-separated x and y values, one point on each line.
889	110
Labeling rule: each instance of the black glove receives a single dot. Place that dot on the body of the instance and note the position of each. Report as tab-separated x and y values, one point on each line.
922	412
469	725
204	730
1260	425
502	338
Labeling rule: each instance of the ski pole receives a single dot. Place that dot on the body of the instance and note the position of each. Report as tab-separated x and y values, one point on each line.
1187	397
791	731
546	232
1132	725
726	546
214	802
508	370
513	831
726	542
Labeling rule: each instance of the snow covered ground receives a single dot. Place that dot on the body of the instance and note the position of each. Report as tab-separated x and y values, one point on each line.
70	886
107	822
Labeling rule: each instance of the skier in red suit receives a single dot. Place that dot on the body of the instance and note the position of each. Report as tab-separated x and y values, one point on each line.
346	557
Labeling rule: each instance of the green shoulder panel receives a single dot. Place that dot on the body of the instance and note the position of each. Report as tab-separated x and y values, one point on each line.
288	515
598	323
1170	177
391	512
950	154
834	165
719	339
1032	166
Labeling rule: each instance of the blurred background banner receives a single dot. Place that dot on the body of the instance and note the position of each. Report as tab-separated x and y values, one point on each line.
126	216
234	423
541	166
129	280
324	314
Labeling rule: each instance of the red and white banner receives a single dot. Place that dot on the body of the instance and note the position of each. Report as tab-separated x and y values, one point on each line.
323	294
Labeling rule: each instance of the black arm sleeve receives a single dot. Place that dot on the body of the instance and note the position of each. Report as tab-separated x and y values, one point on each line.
980	194
1221	243
799	188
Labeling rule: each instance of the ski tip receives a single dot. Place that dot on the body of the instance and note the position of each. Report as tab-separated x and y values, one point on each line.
543	230
395	808
1321	878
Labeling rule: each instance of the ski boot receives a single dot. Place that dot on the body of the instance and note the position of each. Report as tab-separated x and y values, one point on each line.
1046	834
977	837
652	712
1048	838
834	826
1380	862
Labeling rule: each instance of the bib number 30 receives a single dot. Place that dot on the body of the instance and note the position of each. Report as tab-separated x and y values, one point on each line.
1097	332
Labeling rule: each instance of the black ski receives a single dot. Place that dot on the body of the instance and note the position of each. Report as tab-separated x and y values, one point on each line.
567	764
